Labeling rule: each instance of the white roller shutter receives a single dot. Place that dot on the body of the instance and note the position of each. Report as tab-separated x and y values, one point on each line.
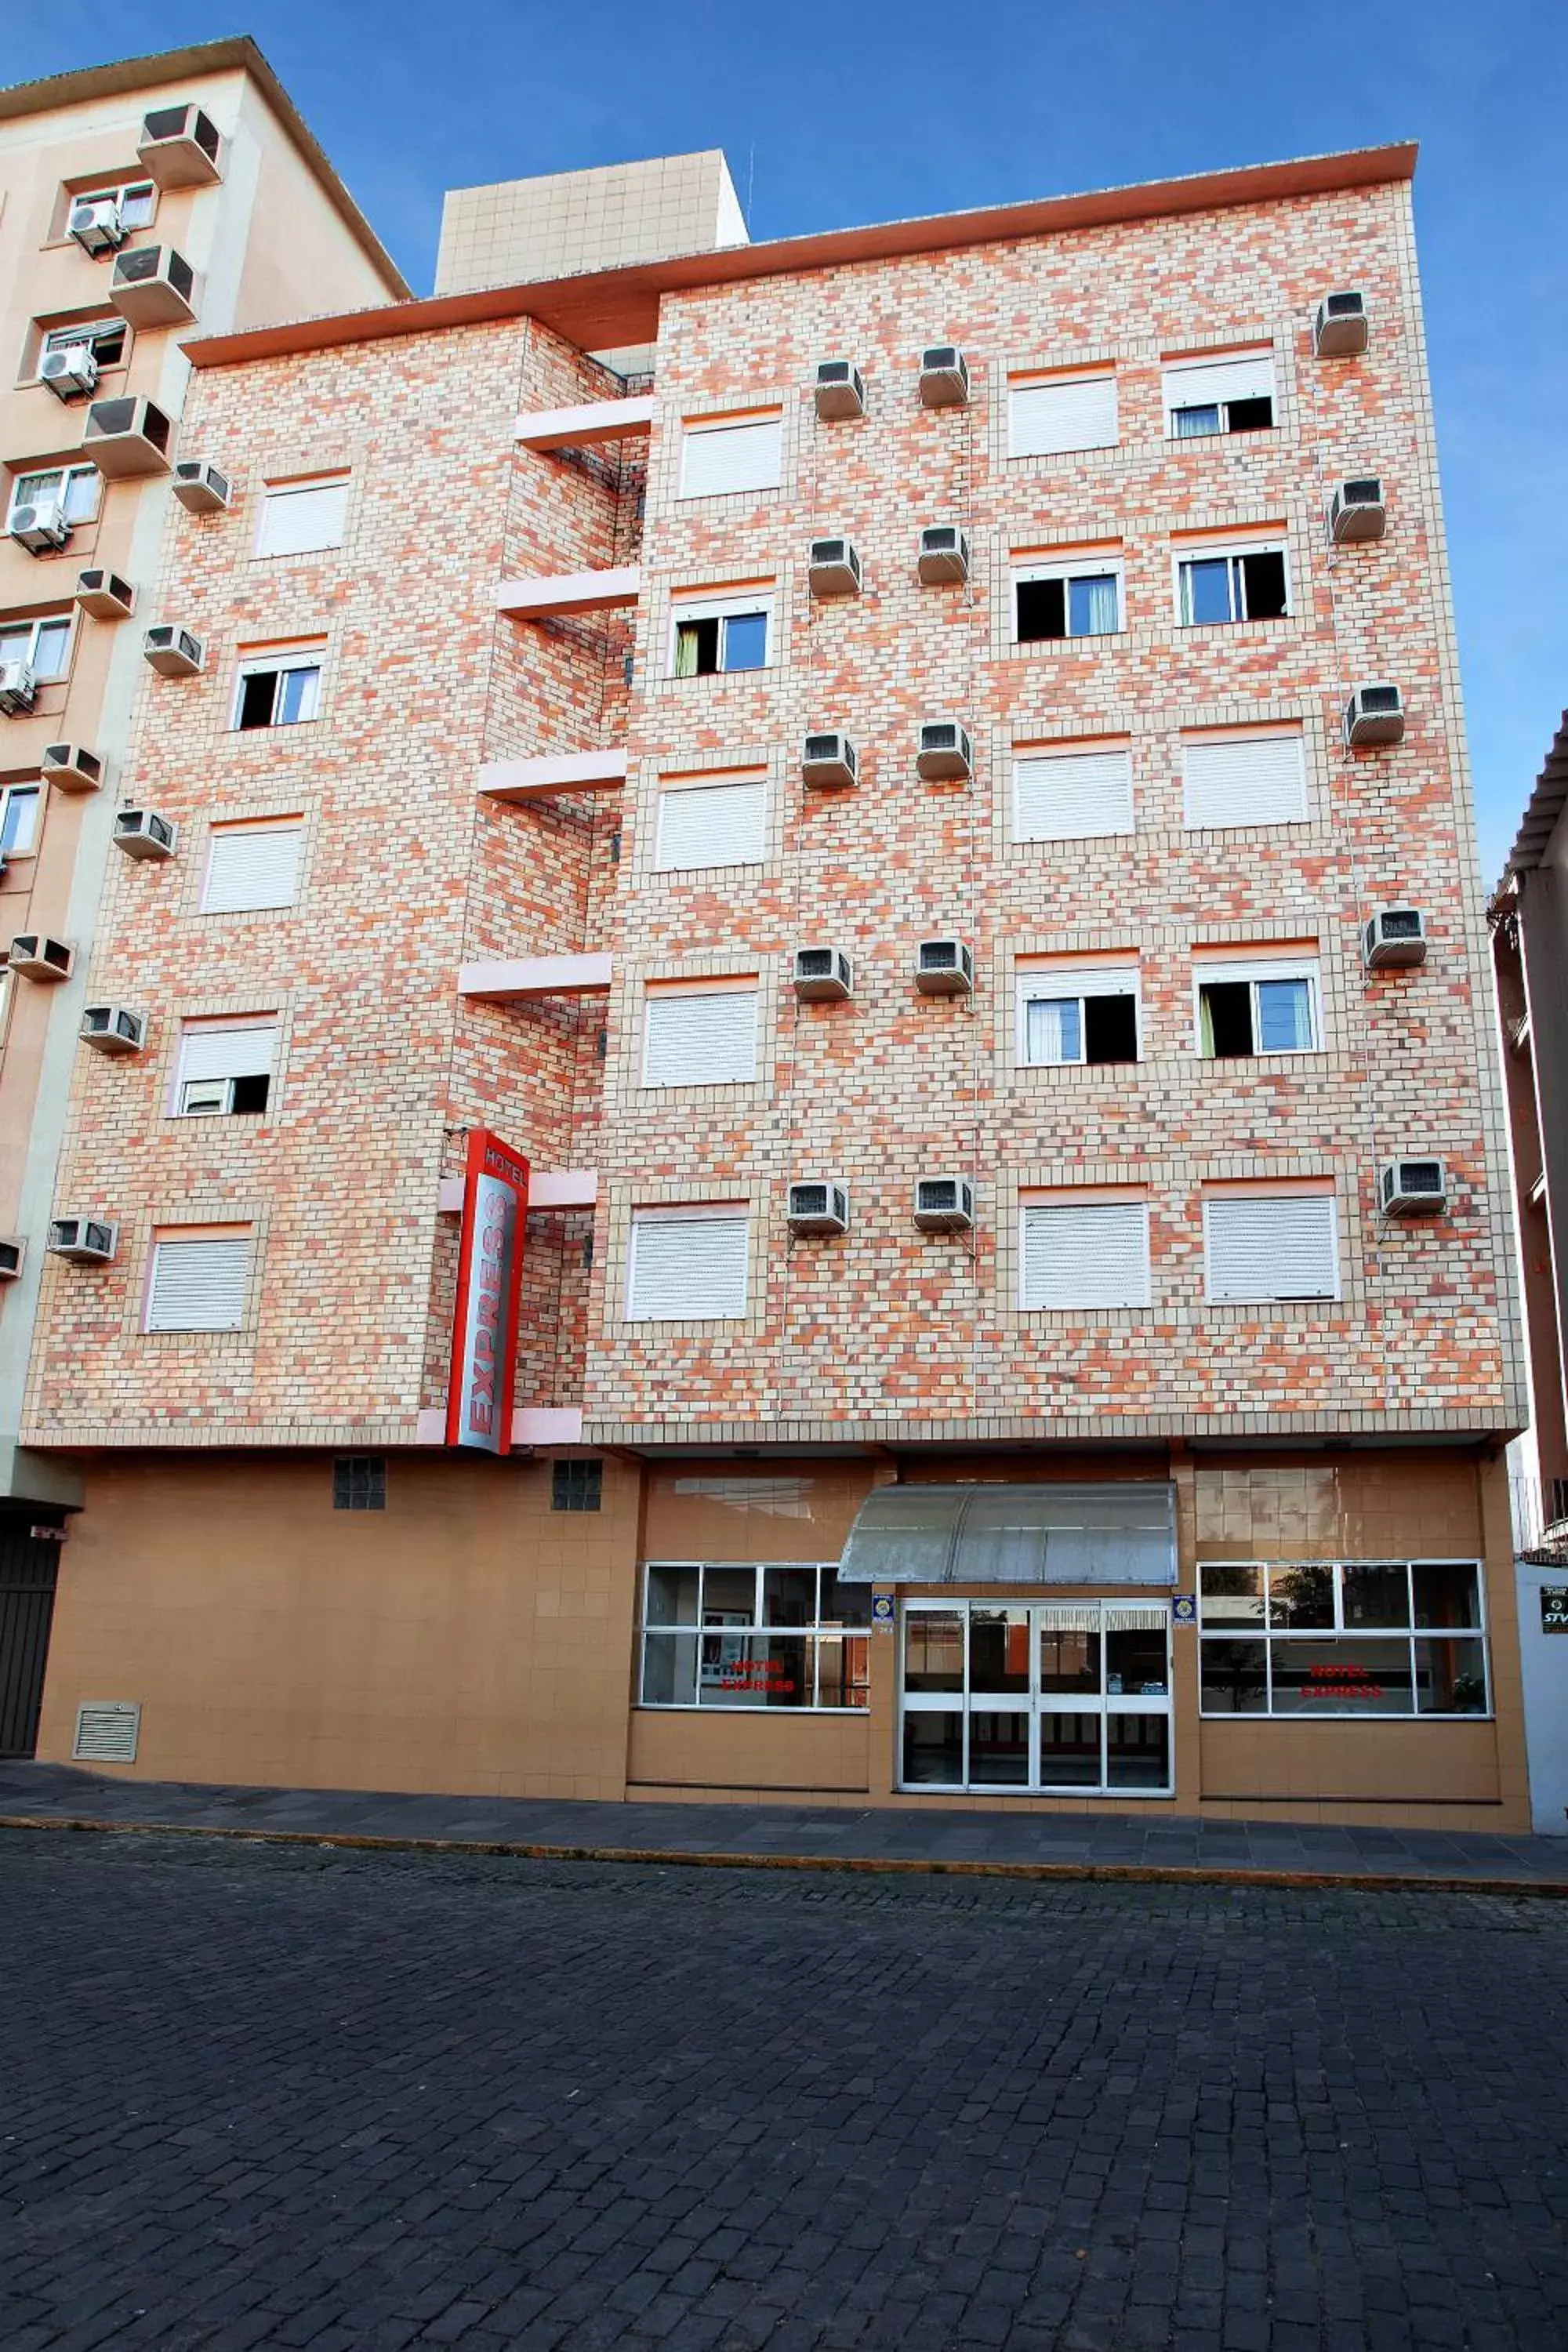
1043	985
214	1053
717	458
1097	1255
1078	412
298	518
1203	383
700	1041
1065	794
687	1269
199	1286
253	866
1282	1248
1244	780
712	825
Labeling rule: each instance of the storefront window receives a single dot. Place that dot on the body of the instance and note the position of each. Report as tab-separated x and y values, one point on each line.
1343	1639
717	1634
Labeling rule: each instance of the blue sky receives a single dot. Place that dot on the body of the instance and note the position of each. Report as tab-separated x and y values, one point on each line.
874	108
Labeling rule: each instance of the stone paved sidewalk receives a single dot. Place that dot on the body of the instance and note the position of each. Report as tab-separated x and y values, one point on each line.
814	1836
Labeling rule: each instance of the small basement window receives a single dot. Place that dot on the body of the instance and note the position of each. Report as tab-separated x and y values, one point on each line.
359	1482
576	1486
1251	586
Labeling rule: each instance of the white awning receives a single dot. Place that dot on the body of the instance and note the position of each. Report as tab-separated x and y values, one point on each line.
1114	1533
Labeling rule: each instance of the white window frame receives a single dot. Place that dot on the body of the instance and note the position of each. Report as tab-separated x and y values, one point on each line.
275	494
1275	1298
1232	553
723	609
1068	569
1059	1202
654	998
1199	363
1263	1632
1257	971
1020	387
241	1234
696	428
257	665
87	333
117	196
643	1220
217	833
1039	984
669	792
65	477
261	1026
33	631
725	1637
10	795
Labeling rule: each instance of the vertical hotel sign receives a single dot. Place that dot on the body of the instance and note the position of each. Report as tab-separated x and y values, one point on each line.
489	1273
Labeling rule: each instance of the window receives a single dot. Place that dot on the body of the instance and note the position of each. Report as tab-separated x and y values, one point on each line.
734	454
1231	780
1270	1246
1250	585
706	1039
278	689
199	1283
252	866
75	485
104	338
688	1266
300	518
359	1482
711	824
1228	396
137	200
1075	412
1265	1007
1333	1638
1071	1013
1085	1255
576	1486
1076	598
719	636
225	1069
1066	795
44	645
19	806
742	1636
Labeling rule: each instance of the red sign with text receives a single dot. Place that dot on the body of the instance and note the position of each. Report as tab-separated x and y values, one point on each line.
489	1276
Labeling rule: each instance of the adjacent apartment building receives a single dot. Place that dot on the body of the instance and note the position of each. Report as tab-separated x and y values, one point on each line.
881	919
138	201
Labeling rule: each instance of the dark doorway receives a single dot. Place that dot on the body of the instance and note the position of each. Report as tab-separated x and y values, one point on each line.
29	1569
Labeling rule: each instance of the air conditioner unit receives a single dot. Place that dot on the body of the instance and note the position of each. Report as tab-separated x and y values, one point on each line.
1394	935
829	760
1339	329
37	957
13	1250
104	595
71	373
200	487
840	389
174	652
41	527
818	1205
1375	714
154	287
17	687
72	767
944	751
944	378
1411	1188
945	968
944	1204
833	568
143	833
97	227
1357	509
944	554
823	975
179	147
86	1241
113	1029
127	438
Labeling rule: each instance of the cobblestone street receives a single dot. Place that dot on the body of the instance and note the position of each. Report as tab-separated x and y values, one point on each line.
266	2096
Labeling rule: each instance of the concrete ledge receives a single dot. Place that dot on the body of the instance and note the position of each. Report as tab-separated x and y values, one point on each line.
557	771
518	978
594	420
548	1188
560	594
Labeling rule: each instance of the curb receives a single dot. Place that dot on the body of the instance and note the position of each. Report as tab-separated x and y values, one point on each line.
864	1865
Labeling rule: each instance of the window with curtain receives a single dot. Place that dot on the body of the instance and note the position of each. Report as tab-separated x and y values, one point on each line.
1234	394
1067	600
713	639
1258	1008
278	690
76	487
1070	1016
44	645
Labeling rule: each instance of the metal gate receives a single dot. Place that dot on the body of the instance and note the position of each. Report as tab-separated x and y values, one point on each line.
29	1567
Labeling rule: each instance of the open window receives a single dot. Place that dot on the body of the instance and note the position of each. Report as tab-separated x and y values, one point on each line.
1072	1015
1261	1007
225	1069
714	635
278	687
75	487
1079	596
1250	584
1234	394
44	645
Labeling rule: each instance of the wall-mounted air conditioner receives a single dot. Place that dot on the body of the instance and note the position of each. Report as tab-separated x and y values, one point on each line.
829	760
1339	331
200	487
37	957
1357	509
72	767
1375	714
823	975
944	554
126	438
179	147
833	568
86	1241
17	688
818	1205
174	652
1411	1188
113	1029
945	968
143	833
944	1204
1394	935
104	595
154	287
40	526
71	373
944	377
943	752
841	390
97	227
13	1251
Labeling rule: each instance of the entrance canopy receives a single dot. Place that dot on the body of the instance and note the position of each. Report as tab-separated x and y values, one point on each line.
1105	1534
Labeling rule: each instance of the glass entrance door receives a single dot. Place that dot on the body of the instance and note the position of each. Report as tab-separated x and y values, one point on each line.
1068	1697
